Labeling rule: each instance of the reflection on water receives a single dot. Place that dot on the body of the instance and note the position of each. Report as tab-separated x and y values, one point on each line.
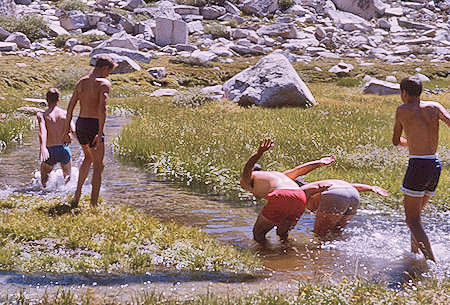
374	246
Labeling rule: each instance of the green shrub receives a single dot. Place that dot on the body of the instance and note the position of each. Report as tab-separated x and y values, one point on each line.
189	61
348	82
73	5
193	97
67	77
201	3
285	4
60	40
217	30
33	26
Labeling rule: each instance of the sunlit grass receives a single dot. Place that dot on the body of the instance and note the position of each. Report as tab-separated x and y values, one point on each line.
46	236
346	292
208	146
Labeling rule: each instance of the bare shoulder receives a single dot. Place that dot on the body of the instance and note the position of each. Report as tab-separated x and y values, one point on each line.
104	82
40	115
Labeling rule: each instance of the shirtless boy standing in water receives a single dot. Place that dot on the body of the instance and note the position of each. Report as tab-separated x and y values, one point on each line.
51	136
286	202
92	91
420	121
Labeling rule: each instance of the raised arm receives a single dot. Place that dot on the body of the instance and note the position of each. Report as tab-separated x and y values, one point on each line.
313	188
246	176
444	115
397	138
308	167
370	188
44	155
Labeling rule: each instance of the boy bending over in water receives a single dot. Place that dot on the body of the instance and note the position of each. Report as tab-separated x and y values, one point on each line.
420	121
51	135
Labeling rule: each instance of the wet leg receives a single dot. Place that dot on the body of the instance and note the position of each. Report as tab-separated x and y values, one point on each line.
67	171
343	223
261	227
98	155
45	171
413	209
83	173
283	229
326	222
414	245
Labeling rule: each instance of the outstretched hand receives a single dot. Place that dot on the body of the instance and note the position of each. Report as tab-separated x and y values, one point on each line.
265	145
380	191
327	160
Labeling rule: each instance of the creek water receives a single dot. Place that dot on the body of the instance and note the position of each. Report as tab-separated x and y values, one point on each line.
374	246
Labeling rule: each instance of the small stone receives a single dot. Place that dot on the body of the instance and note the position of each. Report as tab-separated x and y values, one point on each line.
164	92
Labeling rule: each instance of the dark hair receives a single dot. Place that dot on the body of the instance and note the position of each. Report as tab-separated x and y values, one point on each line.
105	61
301	181
412	85
52	96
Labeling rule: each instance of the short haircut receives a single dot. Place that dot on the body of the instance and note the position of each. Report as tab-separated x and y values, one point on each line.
105	61
412	85
52	96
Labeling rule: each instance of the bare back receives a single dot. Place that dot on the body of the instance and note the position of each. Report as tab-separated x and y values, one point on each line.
89	91
54	118
420	122
265	182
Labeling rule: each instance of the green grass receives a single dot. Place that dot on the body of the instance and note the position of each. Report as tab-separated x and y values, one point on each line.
345	293
70	5
12	130
46	236
208	146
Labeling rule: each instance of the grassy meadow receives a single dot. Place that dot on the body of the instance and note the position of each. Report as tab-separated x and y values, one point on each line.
45	236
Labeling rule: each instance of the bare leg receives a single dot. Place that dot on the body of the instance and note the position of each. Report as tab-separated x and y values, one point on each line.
98	155
84	171
261	227
283	229
45	171
414	245
326	222
413	209
343	223
67	171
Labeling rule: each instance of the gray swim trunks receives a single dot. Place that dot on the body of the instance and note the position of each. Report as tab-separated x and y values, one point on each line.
339	200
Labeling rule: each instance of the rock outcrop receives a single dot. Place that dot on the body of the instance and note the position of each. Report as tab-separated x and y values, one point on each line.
7	7
272	82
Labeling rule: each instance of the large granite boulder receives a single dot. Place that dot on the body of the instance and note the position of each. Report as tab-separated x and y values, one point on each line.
285	30
134	55
170	31
7	7
259	7
364	8
271	82
213	12
20	39
74	20
376	86
124	63
4	33
7	46
349	21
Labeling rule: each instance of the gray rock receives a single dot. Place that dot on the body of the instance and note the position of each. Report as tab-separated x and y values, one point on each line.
363	8
23	2
422	77
285	30
383	24
132	54
7	7
164	92
82	49
20	39
297	10
157	72
376	86
131	5
119	41
124	63
221	50
127	25
7	46
341	69
403	21
213	12
231	8
348	21
108	29
74	20
195	26
186	10
297	45
259	7
56	30
203	57
271	82
94	18
394	11
4	33
71	42
170	31
246	50
186	47
391	79
30	110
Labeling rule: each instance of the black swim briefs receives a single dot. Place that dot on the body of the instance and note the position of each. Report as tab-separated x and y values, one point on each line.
87	129
422	176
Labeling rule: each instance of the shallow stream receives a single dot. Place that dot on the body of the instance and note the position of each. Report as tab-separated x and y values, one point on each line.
374	246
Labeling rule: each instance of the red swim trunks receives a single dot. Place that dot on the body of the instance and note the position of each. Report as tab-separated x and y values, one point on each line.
284	204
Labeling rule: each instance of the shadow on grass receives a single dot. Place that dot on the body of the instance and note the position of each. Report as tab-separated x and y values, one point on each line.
35	280
60	209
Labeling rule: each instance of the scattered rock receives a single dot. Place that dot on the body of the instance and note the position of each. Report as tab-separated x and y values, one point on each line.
375	86
341	69
7	7
124	63
203	57
259	7
134	55
131	5
285	30
82	49
39	101
422	77
164	92
213	12
170	31
363	8
74	20
391	78
7	46
157	72
3	33
20	39
30	110
271	82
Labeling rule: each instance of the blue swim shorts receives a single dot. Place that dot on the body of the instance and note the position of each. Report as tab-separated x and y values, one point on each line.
422	176
58	154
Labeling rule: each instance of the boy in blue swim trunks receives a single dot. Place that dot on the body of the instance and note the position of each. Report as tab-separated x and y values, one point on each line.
420	121
51	136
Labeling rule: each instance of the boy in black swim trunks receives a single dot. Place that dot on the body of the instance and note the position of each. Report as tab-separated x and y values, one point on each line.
51	134
420	121
92	92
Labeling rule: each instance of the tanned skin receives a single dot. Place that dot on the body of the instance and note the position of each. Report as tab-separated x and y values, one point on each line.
261	183
420	122
51	133
92	92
